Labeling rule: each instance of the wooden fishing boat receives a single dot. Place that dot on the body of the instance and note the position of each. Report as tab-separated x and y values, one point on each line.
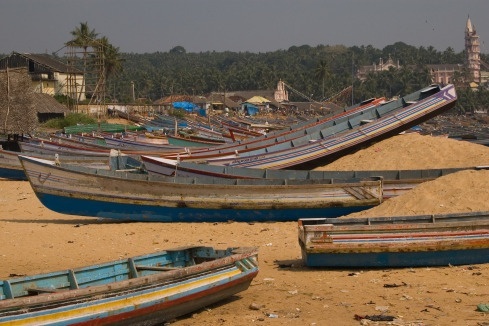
79	190
398	241
307	130
50	147
100	127
11	168
351	134
72	147
395	182
131	144
182	141
143	290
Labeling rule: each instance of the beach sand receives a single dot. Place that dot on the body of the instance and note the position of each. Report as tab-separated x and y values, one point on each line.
35	240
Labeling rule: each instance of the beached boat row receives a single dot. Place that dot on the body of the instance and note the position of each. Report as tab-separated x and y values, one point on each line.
242	181
339	136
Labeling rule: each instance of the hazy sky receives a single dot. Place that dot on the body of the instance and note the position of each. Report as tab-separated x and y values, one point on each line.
146	26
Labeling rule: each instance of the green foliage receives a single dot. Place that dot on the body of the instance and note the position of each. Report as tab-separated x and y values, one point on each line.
470	100
318	72
71	119
63	99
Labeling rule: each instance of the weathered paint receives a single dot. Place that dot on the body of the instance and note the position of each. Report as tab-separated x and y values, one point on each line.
149	299
88	192
396	241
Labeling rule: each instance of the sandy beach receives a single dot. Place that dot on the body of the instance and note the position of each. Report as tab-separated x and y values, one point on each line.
35	239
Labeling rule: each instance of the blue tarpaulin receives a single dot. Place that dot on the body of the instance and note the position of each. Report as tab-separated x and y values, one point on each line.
251	109
202	112
187	106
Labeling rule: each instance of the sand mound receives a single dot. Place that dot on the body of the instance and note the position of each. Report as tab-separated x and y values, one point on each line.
413	151
464	191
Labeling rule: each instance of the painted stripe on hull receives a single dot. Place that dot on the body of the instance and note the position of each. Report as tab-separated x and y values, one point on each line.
384	126
398	259
135	212
137	306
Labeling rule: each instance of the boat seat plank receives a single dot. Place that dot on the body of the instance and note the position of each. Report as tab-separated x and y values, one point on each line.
36	290
156	268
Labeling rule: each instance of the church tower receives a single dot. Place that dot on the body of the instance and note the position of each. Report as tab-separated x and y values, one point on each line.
281	94
472	52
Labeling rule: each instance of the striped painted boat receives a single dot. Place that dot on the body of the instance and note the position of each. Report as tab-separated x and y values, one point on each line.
395	182
143	290
307	131
384	121
79	190
398	241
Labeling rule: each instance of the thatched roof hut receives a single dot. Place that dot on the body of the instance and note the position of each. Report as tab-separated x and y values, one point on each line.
17	109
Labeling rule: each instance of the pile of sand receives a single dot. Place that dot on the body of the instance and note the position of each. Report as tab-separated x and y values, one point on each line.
464	191
413	151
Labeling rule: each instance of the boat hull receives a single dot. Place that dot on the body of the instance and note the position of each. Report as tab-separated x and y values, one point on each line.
388	120
396	259
149	213
144	290
399	241
83	191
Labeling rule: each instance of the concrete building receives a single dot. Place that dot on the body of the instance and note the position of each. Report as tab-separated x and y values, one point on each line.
49	76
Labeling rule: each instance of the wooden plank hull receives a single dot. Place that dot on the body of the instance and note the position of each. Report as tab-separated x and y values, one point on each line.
92	192
410	241
143	290
11	168
386	121
182	142
395	182
306	130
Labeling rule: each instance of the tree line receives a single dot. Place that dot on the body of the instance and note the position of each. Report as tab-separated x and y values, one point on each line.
317	71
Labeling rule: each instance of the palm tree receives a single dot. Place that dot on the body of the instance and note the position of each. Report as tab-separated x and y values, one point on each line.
321	72
111	57
83	38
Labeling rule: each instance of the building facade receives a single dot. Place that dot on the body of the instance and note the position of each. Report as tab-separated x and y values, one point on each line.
444	73
472	52
49	76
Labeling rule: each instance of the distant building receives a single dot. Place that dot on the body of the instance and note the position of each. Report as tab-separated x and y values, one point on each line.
363	71
49	76
444	73
472	52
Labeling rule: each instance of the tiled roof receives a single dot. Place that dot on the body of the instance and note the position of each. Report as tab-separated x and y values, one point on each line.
50	62
45	103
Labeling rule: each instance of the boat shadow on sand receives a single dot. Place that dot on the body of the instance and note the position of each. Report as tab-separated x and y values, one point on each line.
75	221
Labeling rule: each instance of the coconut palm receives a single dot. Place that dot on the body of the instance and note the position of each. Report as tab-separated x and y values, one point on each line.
111	57
321	72
109	62
84	38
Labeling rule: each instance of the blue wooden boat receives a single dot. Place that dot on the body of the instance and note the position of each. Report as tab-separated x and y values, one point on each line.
79	190
397	241
143	290
351	134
